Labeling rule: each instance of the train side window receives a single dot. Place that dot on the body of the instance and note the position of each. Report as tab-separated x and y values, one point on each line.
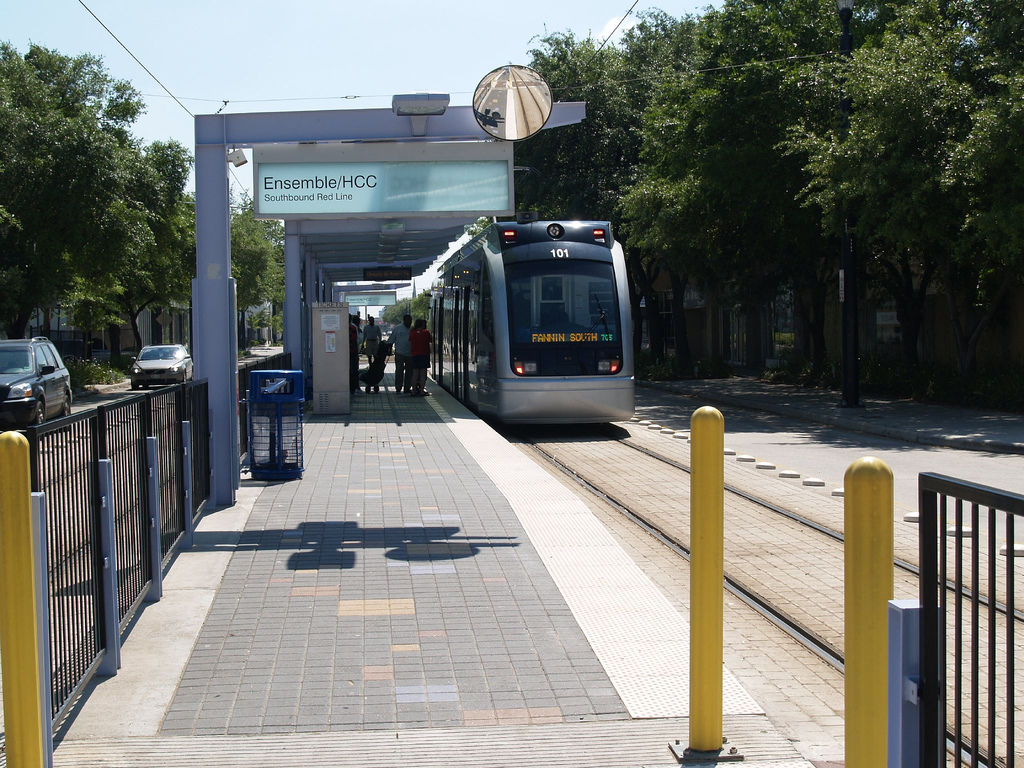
486	304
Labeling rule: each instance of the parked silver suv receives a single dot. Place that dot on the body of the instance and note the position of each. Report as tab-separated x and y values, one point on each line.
34	384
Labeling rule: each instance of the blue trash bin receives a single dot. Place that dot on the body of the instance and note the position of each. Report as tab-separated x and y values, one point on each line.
275	406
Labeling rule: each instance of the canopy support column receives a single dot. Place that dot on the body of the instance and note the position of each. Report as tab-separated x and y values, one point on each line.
293	293
213	347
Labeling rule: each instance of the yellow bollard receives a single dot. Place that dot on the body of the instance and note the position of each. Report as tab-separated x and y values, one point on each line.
707	516
19	626
868	553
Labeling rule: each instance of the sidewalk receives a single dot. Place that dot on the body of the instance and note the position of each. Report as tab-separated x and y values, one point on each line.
907	420
424	594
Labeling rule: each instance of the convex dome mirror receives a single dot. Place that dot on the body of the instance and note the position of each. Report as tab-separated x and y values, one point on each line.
512	102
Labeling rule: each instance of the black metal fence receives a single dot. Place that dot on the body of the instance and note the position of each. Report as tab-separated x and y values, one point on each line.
122	428
64	465
64	455
165	415
969	615
282	361
197	404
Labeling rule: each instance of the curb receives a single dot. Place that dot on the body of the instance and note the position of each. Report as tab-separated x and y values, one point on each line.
856	425
93	390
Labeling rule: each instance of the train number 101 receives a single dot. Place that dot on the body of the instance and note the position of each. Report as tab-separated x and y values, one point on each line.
560	253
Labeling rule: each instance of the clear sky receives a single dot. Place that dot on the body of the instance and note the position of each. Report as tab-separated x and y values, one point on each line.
263	56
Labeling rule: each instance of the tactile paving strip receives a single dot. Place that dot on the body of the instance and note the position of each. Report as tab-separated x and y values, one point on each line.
639	637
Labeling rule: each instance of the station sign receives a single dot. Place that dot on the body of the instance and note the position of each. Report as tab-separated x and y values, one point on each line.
332	181
385	299
387	273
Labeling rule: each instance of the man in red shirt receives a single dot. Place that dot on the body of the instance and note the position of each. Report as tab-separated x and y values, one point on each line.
419	340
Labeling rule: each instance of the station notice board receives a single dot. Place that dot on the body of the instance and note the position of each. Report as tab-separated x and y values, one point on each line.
330	339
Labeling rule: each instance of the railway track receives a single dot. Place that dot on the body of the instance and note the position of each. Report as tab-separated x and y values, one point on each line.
780	618
821	638
904	565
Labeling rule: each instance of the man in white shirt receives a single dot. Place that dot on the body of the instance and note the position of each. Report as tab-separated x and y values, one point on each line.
371	338
403	354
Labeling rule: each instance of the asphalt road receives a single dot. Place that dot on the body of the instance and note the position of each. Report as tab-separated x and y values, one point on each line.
94	399
825	452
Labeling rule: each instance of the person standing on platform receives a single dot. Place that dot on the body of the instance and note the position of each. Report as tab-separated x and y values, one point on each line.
419	340
354	338
371	336
403	354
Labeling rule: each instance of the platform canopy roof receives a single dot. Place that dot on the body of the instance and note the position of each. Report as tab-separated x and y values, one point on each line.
343	249
343	244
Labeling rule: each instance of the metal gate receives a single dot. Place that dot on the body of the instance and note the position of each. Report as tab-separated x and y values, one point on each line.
969	615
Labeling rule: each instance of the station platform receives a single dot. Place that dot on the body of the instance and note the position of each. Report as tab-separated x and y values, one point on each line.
426	594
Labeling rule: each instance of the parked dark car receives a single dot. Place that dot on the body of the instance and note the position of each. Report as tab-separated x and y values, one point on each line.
161	364
34	384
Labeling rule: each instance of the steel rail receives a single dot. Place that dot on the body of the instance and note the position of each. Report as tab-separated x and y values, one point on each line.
791	626
807	522
788	624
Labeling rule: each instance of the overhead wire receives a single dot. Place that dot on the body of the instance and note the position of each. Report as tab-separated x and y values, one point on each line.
348	97
724	67
137	61
616	29
652	77
225	102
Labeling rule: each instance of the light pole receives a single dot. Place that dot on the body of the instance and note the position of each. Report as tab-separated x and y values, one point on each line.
847	261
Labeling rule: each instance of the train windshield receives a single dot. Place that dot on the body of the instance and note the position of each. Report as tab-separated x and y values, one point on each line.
562	302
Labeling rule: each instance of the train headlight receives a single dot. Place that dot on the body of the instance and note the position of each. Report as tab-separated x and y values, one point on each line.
599	235
508	235
555	231
608	366
524	369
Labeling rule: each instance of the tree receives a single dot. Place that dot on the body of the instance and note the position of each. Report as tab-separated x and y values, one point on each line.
926	165
257	258
420	307
582	171
63	123
716	195
155	266
397	311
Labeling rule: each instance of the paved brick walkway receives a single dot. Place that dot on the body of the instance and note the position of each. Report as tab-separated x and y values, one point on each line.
391	587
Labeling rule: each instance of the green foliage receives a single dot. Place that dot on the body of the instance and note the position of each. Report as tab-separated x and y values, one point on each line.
647	368
931	165
257	257
259	319
997	388
825	374
396	311
86	372
121	363
420	307
715	197
64	129
417	307
91	220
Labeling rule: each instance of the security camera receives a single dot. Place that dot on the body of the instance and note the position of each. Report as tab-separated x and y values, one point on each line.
237	157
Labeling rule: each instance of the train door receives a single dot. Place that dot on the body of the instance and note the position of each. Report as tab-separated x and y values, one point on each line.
464	346
436	330
445	342
456	342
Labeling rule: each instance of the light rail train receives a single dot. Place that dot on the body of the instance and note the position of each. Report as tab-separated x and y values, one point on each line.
532	324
